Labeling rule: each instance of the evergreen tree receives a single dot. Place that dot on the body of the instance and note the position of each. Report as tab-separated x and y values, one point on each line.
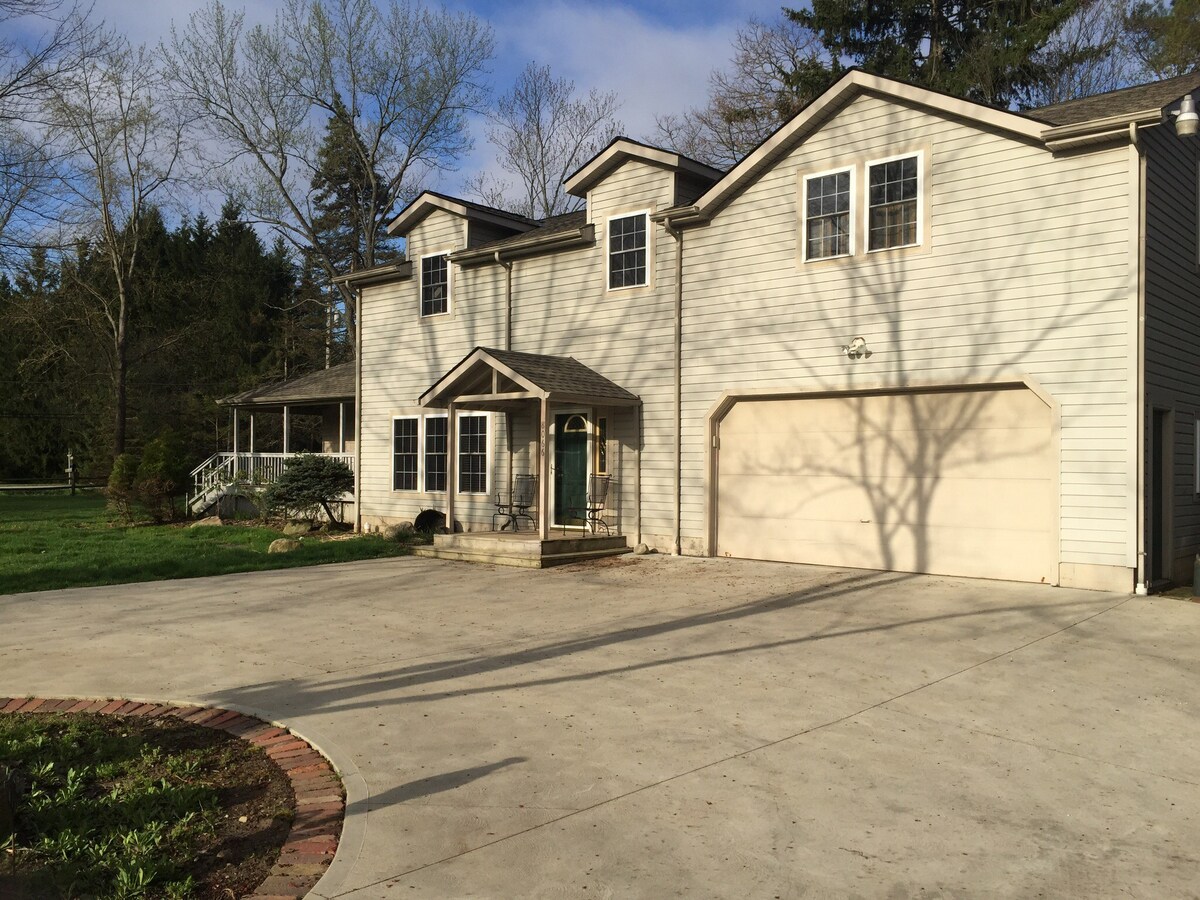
988	51
1166	38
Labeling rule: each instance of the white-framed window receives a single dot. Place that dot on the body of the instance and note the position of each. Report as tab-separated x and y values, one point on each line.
434	459
894	202
828	214
628	242
419	453
405	458
472	453
435	284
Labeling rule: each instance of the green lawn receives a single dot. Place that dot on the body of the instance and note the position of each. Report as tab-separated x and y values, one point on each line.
55	541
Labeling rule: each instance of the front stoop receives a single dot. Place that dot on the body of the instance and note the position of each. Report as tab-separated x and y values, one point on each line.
523	550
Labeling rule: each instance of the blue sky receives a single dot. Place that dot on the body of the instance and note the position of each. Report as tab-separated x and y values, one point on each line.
656	55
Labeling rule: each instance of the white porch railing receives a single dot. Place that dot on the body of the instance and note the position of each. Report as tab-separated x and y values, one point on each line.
212	477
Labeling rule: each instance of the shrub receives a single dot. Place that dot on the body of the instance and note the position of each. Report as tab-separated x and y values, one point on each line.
120	491
162	475
310	482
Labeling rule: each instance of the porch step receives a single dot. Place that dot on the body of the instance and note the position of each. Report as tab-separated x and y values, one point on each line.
525	552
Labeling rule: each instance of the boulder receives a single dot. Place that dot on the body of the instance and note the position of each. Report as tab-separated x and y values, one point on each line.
641	549
283	545
211	520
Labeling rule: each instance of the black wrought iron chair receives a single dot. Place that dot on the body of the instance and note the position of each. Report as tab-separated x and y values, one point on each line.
521	499
597	497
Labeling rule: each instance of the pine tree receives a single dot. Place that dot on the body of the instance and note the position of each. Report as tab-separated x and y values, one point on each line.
1166	38
986	51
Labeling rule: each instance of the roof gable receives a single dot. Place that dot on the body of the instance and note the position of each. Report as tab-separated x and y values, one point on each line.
431	201
621	149
851	85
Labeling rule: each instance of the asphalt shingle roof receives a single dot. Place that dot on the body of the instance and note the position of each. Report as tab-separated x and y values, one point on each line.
1116	103
332	384
560	374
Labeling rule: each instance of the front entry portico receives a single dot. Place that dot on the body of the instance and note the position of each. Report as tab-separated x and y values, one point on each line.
551	408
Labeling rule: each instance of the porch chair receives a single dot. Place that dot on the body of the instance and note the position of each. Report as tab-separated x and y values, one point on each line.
597	496
521	498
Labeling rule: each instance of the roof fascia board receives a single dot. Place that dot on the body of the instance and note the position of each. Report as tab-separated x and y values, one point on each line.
615	154
851	85
376	275
428	202
431	396
585	234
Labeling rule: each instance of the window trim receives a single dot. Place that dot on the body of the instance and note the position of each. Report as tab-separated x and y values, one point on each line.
489	437
645	214
424	451
421	285
852	213
417	480
866	197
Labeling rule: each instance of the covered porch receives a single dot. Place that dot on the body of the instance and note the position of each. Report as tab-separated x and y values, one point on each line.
566	459
264	436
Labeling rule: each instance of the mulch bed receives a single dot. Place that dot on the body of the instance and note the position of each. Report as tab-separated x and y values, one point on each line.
289	795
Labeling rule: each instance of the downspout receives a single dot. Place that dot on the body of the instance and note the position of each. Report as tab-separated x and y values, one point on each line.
677	541
508	421
1141	579
358	354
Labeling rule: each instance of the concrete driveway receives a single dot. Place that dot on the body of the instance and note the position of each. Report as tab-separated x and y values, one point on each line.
659	727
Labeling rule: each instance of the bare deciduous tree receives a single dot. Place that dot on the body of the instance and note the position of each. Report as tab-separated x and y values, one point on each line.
1092	46
543	133
403	76
749	101
116	141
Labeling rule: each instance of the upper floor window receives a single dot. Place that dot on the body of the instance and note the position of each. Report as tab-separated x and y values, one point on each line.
627	251
435	285
893	199
827	215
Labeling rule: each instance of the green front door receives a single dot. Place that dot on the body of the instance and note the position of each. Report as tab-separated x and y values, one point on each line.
570	468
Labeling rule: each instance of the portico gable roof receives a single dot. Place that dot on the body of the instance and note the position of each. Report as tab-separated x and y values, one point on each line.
494	379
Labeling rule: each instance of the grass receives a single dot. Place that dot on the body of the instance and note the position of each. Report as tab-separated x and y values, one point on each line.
50	541
113	807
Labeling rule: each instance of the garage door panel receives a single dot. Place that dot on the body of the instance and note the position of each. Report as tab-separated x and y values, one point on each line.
880	481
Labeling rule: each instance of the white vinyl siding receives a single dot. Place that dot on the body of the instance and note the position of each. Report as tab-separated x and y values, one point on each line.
1009	283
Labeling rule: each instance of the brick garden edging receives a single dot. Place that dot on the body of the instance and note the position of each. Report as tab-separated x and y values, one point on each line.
320	803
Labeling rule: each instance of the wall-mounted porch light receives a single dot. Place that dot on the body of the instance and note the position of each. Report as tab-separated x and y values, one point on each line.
1186	120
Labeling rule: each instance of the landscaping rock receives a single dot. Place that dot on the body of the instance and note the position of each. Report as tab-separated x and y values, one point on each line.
211	520
641	549
295	528
283	545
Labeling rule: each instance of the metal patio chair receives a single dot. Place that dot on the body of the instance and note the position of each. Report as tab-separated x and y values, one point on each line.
521	499
597	496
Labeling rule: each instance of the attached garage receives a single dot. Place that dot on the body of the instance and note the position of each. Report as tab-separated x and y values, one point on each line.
950	482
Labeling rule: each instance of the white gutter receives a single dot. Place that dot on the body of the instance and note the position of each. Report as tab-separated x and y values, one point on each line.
1142	578
677	541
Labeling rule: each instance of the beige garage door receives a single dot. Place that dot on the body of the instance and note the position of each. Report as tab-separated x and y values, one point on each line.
948	482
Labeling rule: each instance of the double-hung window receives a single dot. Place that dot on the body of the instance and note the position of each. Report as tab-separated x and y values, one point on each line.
404	453
827	215
472	454
435	285
627	251
435	453
893	187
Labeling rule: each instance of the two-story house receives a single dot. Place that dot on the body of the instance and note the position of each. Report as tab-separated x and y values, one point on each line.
907	332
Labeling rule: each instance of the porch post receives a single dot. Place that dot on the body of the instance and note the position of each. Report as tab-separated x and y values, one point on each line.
342	427
451	464
544	468
287	428
235	441
252	433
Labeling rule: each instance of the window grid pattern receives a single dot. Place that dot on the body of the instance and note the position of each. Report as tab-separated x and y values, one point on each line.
404	454
893	204
472	455
827	213
627	251
435	453
435	286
